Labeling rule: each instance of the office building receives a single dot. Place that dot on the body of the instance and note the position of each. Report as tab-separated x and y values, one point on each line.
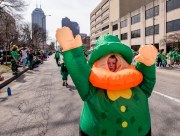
74	26
137	22
39	19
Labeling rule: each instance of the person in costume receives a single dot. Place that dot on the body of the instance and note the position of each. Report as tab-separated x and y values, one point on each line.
57	57
64	74
115	100
164	59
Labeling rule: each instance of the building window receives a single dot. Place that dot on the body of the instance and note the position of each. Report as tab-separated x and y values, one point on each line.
98	18
149	30
123	23
105	5
105	12
105	21
98	31
172	4
135	19
115	27
98	11
124	36
152	12
105	28
98	25
135	33
173	26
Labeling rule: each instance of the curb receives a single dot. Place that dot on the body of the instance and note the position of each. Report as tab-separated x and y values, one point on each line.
12	78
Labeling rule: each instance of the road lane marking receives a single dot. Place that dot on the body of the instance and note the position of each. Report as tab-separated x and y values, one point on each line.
166	96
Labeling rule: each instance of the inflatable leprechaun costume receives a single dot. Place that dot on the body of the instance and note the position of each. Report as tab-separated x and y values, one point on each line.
115	103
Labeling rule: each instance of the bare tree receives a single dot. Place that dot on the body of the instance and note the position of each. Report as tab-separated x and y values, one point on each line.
172	40
52	46
24	34
13	7
37	35
8	29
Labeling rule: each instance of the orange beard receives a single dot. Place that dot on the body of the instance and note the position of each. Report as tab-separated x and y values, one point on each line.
112	81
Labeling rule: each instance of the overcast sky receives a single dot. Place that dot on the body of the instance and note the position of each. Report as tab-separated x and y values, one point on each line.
76	10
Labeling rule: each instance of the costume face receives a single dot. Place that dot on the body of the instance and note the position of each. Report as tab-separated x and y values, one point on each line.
112	64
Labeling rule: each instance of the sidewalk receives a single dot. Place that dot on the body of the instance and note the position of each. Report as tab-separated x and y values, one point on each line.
9	77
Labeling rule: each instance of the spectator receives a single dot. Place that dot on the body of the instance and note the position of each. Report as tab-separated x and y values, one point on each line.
30	59
15	59
64	74
57	57
24	56
1	57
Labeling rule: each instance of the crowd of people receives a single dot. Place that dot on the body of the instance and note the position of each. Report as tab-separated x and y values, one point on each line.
169	59
25	57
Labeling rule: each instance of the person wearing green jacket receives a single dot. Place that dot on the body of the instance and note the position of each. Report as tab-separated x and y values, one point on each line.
115	100
64	74
57	57
15	59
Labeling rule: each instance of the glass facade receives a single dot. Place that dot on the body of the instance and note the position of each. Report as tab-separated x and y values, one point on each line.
105	28
115	27
150	31
152	12
173	26
135	19
172	4
123	23
135	33
39	18
74	26
124	36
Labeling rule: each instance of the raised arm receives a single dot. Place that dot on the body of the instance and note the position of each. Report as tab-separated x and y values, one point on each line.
146	65
74	60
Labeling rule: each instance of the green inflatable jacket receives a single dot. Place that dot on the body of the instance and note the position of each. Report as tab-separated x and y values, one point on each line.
100	115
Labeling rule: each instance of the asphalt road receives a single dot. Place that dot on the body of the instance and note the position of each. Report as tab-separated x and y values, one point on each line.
165	104
41	106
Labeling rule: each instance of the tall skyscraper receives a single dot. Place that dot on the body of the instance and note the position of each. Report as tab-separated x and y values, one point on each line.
74	26
39	27
39	18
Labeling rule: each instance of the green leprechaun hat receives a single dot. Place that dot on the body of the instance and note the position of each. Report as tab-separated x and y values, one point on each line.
107	44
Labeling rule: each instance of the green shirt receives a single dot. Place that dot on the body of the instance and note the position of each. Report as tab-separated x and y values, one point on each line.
15	55
57	56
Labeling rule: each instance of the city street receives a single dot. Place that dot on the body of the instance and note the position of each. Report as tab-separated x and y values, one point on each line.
41	106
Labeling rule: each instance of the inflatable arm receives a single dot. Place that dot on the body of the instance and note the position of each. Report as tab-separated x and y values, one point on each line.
75	60
146	59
